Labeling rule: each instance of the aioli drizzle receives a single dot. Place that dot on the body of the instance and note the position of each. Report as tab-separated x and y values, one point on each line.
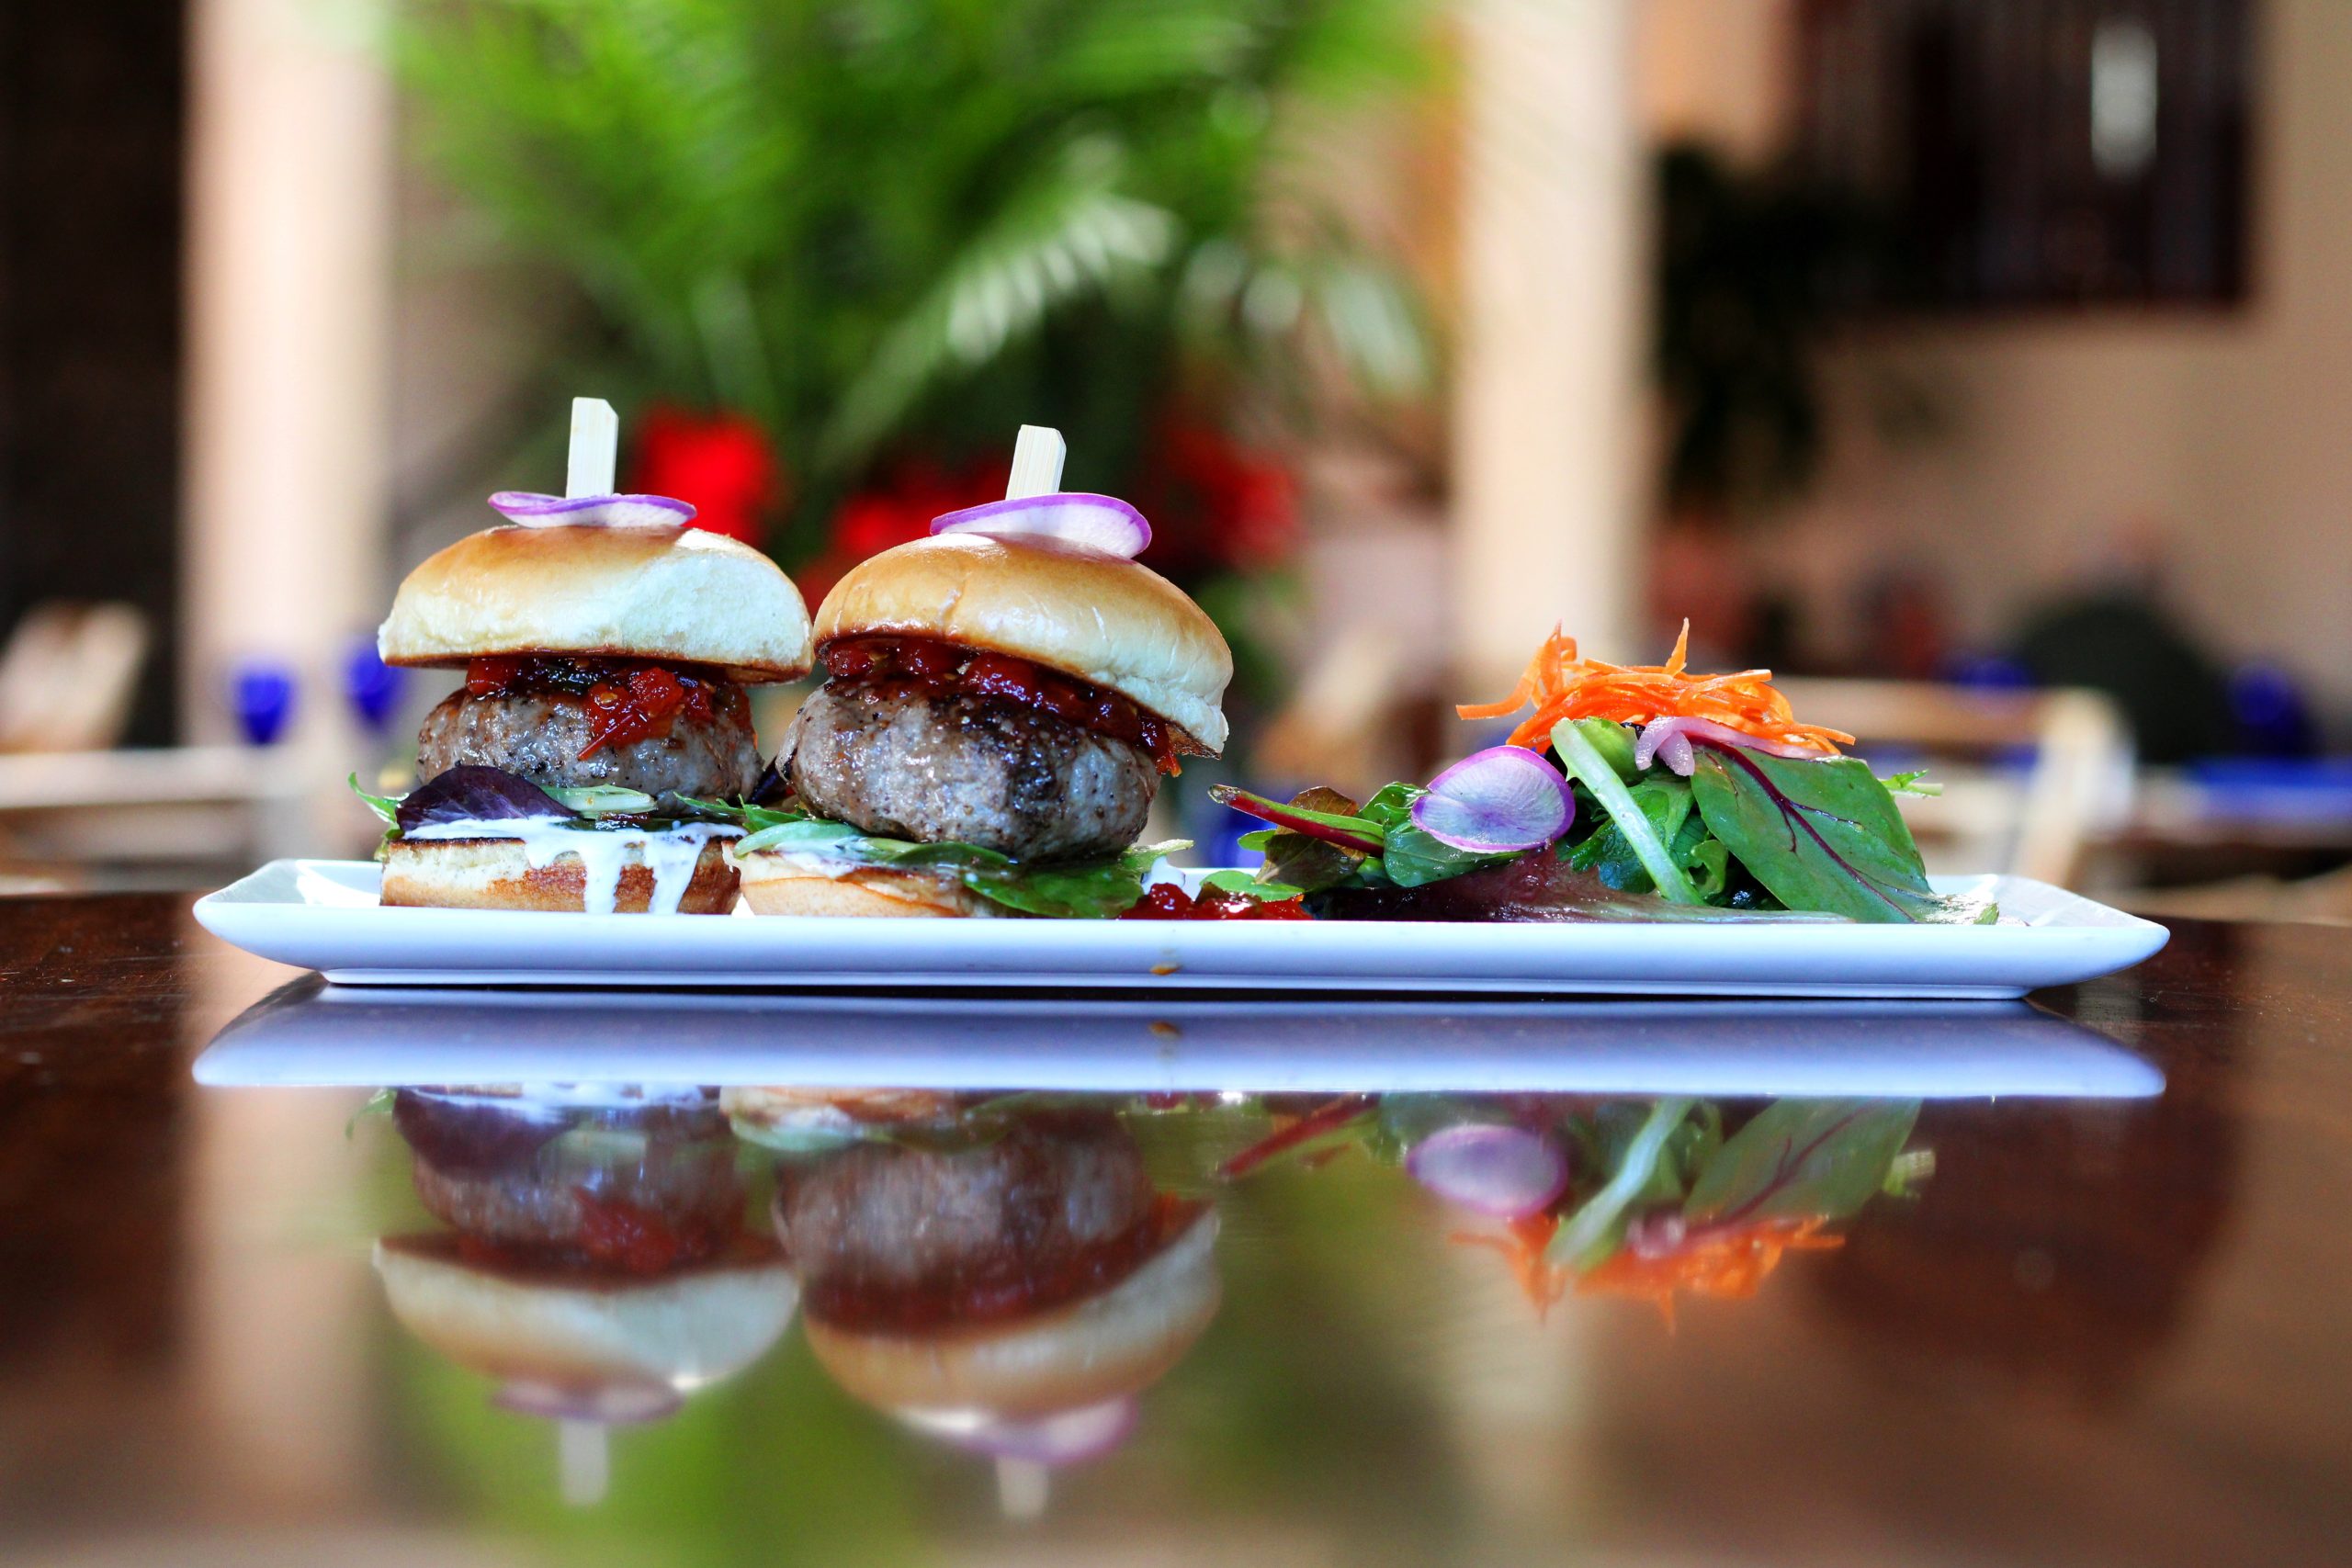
669	854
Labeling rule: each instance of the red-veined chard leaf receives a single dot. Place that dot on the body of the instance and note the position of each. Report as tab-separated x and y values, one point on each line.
1802	1159
1821	834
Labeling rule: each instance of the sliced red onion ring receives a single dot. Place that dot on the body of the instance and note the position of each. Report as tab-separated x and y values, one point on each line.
1668	739
612	1404
1066	1437
1491	1168
1497	801
1097	521
535	511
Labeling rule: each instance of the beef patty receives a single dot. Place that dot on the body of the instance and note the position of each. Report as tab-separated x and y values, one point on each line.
893	758
539	736
894	1218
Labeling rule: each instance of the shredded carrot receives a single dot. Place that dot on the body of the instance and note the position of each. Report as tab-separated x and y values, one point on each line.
1730	1263
1562	685
1727	1263
1522	1243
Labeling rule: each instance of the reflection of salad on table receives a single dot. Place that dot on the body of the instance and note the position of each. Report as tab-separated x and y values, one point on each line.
1642	1197
1630	792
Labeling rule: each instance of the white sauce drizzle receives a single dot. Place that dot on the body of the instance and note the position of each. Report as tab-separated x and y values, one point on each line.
807	863
603	853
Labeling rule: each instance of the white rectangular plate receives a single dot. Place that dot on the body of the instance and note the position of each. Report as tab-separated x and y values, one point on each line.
311	1035
323	915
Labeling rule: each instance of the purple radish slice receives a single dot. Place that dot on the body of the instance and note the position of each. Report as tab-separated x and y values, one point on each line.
612	1405
1074	518
1498	801
1491	1168
535	511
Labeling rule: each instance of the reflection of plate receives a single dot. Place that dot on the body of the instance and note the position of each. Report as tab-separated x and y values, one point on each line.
322	915
312	1034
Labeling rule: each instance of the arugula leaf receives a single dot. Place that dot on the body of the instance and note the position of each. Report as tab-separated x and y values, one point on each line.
806	834
384	806
1803	1159
1085	890
1704	856
1913	783
1579	743
1821	834
754	818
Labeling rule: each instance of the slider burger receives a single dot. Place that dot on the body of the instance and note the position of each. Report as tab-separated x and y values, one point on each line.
1007	1282
999	702
606	646
596	1263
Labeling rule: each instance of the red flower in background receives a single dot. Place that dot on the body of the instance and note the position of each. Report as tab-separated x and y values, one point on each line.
1214	503
896	511
722	465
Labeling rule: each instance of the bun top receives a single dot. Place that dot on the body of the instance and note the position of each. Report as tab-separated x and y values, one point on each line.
672	595
1101	617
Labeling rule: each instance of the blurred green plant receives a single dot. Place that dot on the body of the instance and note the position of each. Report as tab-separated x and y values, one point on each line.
882	226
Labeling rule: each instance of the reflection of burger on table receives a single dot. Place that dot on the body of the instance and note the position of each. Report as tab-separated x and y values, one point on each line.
1004	1281
596	1263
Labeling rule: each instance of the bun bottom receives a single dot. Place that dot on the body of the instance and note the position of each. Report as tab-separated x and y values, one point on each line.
1112	1344
495	873
781	885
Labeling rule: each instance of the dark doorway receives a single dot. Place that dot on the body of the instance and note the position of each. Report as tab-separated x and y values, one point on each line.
92	112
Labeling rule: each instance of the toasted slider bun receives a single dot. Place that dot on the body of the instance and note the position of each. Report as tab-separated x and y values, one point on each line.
683	1328
495	873
1101	617
665	595
1096	1349
780	882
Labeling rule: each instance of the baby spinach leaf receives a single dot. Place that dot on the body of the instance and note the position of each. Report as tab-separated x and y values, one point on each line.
1665	800
1298	861
1391	807
1414	857
1250	885
1101	890
1802	1159
1821	835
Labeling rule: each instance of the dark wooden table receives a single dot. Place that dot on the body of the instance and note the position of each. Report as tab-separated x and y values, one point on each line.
2103	1332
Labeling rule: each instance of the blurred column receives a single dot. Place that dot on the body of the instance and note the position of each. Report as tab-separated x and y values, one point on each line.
1545	425
290	185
